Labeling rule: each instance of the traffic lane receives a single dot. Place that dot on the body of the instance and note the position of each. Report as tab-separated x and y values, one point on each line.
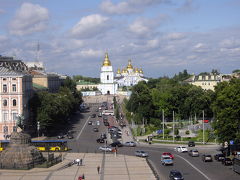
214	170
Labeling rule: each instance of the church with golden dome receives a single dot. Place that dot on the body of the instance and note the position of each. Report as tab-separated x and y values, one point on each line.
128	76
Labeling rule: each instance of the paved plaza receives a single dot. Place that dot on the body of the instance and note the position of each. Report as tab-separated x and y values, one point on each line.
117	167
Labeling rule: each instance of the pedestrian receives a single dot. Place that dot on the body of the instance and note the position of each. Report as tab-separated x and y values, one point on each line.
81	162
80	178
83	177
98	169
77	161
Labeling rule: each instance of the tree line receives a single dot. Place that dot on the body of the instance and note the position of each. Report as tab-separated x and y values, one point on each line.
52	110
149	100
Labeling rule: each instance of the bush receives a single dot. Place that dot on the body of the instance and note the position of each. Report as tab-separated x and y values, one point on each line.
187	132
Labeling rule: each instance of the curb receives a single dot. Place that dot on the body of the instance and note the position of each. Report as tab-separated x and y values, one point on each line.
153	168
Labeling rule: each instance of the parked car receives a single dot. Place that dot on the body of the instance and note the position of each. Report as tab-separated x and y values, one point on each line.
100	114
103	136
168	154
100	140
193	153
93	115
175	175
140	153
98	123
227	162
166	160
219	157
130	144
89	122
106	148
106	123
95	129
181	149
207	158
116	144
60	136
70	136
191	144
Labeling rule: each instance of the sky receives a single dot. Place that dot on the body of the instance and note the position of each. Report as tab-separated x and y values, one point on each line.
163	37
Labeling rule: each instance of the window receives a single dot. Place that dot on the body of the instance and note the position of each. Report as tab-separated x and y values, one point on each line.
5	116
107	77
4	88
14	79
14	116
4	102
4	79
14	102
14	88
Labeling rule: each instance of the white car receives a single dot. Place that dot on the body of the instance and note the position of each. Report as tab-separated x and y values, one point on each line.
106	148
97	123
130	144
141	153
181	149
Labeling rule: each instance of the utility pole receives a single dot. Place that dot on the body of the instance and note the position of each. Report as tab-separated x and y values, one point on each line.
163	122
203	129
173	127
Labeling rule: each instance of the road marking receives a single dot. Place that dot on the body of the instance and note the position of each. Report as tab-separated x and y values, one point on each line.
82	128
195	167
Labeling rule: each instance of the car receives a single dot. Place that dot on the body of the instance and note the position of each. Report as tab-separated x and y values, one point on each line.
95	129
207	158
168	154
175	175
98	123
89	122
60	136
103	136
181	149
100	140
93	115
219	157
227	162
97	110
166	160
70	136
100	114
191	144
106	123
106	148
141	153
193	153
116	144
130	144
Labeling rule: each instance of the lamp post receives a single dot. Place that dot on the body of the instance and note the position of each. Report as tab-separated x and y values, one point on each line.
163	122
38	128
173	127
203	128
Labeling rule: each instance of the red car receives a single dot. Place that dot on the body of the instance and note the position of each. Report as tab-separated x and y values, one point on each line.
169	154
206	121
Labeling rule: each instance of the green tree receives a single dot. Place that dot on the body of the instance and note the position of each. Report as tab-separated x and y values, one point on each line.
226	109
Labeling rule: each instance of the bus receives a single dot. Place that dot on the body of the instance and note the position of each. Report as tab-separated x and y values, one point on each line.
44	145
236	165
108	112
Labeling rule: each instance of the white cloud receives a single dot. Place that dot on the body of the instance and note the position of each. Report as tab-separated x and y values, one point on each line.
2	11
128	6
28	19
3	38
90	26
175	36
139	27
188	6
230	43
88	53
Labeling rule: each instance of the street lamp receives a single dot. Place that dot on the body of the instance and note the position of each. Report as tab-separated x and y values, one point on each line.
38	128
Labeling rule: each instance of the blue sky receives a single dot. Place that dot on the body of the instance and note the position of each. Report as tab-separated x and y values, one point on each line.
163	37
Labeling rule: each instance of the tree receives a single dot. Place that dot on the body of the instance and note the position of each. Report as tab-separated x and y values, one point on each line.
226	108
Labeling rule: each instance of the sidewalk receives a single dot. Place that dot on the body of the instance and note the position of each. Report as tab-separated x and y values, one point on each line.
120	167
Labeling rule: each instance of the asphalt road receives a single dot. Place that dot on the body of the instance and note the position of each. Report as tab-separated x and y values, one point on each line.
192	168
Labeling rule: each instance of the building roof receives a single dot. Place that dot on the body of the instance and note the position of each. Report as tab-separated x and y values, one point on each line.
7	72
37	86
106	61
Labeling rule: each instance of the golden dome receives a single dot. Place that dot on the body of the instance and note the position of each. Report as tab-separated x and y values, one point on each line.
118	71
129	66
106	61
141	71
136	70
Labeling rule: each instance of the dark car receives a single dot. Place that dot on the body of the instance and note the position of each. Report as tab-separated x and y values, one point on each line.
175	175
103	136
106	123
95	129
219	157
207	158
100	140
70	136
191	144
60	136
116	144
227	162
93	115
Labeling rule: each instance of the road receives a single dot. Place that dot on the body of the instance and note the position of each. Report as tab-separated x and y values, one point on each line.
191	167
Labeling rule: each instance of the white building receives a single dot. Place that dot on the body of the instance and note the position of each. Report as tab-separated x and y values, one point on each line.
129	76
107	84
